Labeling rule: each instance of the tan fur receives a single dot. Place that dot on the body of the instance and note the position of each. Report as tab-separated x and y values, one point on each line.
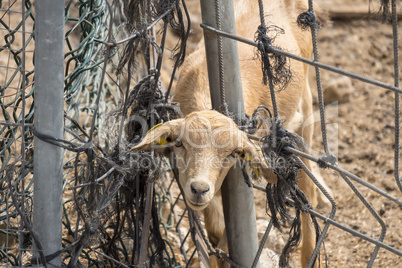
295	102
208	139
206	145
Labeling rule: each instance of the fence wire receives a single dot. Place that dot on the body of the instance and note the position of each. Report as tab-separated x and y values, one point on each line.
100	226
16	97
328	160
116	213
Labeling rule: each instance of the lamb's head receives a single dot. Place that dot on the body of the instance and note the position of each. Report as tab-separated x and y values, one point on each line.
206	145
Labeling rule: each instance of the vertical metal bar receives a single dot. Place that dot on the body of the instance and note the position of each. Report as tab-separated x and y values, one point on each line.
234	96
237	197
23	85
48	158
397	95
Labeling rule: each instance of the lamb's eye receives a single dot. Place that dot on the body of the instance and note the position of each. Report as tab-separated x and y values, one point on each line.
178	143
237	152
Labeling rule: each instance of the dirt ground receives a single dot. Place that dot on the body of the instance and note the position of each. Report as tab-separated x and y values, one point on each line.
363	132
360	125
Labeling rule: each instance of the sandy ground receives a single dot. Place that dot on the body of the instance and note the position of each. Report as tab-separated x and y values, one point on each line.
363	136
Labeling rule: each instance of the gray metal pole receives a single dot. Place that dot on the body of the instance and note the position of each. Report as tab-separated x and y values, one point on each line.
237	197
49	119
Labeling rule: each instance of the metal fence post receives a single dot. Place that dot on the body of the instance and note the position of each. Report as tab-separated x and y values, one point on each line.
49	120
237	197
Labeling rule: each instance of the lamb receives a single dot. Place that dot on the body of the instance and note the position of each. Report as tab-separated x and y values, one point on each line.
207	144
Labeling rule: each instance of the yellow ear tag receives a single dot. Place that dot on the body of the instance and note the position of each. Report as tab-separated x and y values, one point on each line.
256	169
248	157
152	128
163	142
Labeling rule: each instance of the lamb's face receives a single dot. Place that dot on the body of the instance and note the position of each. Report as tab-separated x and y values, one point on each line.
206	145
205	151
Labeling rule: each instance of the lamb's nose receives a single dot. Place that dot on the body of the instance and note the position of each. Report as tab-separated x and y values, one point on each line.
199	188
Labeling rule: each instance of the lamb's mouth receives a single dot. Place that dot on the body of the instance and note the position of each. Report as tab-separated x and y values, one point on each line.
197	206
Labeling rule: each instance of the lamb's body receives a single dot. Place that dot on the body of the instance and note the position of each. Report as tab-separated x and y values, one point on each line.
205	135
294	102
192	91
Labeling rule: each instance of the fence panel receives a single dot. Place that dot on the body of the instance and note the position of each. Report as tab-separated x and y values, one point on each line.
122	208
16	118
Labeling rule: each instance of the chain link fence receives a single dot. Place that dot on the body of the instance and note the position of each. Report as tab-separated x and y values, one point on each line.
90	87
117	212
16	99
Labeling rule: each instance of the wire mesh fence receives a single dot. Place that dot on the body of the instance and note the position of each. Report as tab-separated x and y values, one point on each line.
115	211
100	226
16	119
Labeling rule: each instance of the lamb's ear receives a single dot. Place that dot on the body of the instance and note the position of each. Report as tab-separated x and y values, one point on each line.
160	136
256	163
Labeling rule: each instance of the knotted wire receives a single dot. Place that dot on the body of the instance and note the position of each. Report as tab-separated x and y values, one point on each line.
265	57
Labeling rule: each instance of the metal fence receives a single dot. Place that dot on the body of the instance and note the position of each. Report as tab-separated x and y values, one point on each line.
16	135
103	201
115	212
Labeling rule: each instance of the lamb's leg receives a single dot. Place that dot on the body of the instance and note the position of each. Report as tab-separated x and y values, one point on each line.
215	227
308	187
308	231
214	219
222	245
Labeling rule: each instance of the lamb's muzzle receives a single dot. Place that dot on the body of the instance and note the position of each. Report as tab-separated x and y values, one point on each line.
199	188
